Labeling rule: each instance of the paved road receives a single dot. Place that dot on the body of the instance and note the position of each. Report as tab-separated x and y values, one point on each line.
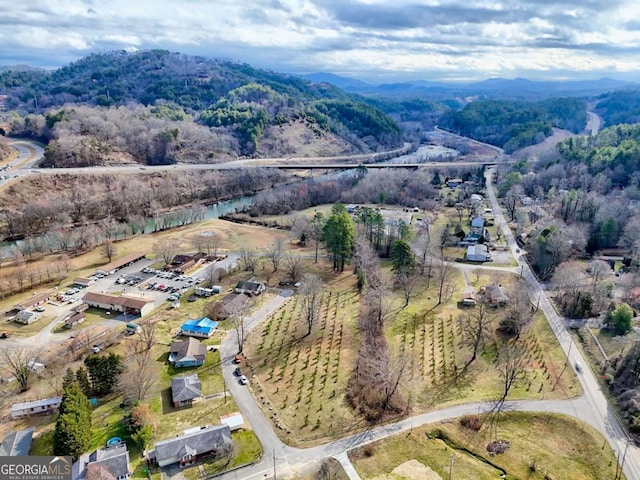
596	409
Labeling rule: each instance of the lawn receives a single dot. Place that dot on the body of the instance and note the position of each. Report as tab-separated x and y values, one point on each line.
541	446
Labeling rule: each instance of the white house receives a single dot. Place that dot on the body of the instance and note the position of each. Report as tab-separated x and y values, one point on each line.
44	406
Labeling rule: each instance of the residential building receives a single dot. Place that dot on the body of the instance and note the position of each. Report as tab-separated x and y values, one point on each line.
187	353
185	389
250	288
200	327
191	445
44	406
131	305
17	444
75	319
27	317
229	304
112	459
496	295
478	253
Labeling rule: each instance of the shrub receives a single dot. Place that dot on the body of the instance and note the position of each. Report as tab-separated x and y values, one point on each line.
472	422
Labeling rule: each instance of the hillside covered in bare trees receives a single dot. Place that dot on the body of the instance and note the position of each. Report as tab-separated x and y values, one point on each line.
156	107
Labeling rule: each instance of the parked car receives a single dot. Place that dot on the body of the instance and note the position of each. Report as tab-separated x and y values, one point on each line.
237	372
39	309
243	380
192	298
4	335
237	358
97	347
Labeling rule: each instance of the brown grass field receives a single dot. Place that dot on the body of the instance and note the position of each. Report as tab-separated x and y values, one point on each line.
541	446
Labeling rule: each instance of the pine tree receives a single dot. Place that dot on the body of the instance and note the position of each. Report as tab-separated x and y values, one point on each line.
72	435
68	378
83	381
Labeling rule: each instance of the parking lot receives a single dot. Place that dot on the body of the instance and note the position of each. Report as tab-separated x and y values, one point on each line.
141	280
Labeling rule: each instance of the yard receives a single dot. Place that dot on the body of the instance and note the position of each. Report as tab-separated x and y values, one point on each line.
541	446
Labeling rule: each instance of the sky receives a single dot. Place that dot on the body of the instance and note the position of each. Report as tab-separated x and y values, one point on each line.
372	40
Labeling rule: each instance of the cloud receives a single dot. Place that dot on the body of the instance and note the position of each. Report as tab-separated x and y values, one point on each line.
382	38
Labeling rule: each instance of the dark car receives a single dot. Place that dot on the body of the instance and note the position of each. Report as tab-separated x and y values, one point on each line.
192	298
237	372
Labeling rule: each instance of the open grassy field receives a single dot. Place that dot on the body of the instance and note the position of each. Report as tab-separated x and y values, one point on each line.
541	446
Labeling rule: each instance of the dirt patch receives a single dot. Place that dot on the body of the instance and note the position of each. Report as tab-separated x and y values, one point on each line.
411	470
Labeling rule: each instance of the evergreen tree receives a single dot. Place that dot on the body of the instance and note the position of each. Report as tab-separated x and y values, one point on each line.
339	233
104	372
68	378
402	260
621	319
72	435
82	377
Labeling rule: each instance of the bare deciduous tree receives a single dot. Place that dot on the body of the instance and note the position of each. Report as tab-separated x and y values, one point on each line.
248	259
275	252
167	249
311	293
148	335
139	375
476	327
294	266
511	368
238	315
19	361
445	277
108	250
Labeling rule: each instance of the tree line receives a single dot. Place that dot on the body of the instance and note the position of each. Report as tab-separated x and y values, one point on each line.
516	124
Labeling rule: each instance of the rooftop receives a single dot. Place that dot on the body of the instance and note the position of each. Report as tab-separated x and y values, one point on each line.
128	302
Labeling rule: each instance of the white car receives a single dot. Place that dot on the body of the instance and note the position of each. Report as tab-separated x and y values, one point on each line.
243	379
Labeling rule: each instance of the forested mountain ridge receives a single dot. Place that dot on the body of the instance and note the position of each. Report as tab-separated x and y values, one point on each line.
193	109
516	124
620	107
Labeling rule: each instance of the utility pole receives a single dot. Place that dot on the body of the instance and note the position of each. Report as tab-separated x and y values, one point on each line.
224	389
274	464
624	458
450	467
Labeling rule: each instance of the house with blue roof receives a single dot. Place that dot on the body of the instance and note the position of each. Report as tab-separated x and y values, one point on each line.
201	327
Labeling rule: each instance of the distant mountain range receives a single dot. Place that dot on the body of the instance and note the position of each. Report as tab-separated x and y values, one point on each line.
493	87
